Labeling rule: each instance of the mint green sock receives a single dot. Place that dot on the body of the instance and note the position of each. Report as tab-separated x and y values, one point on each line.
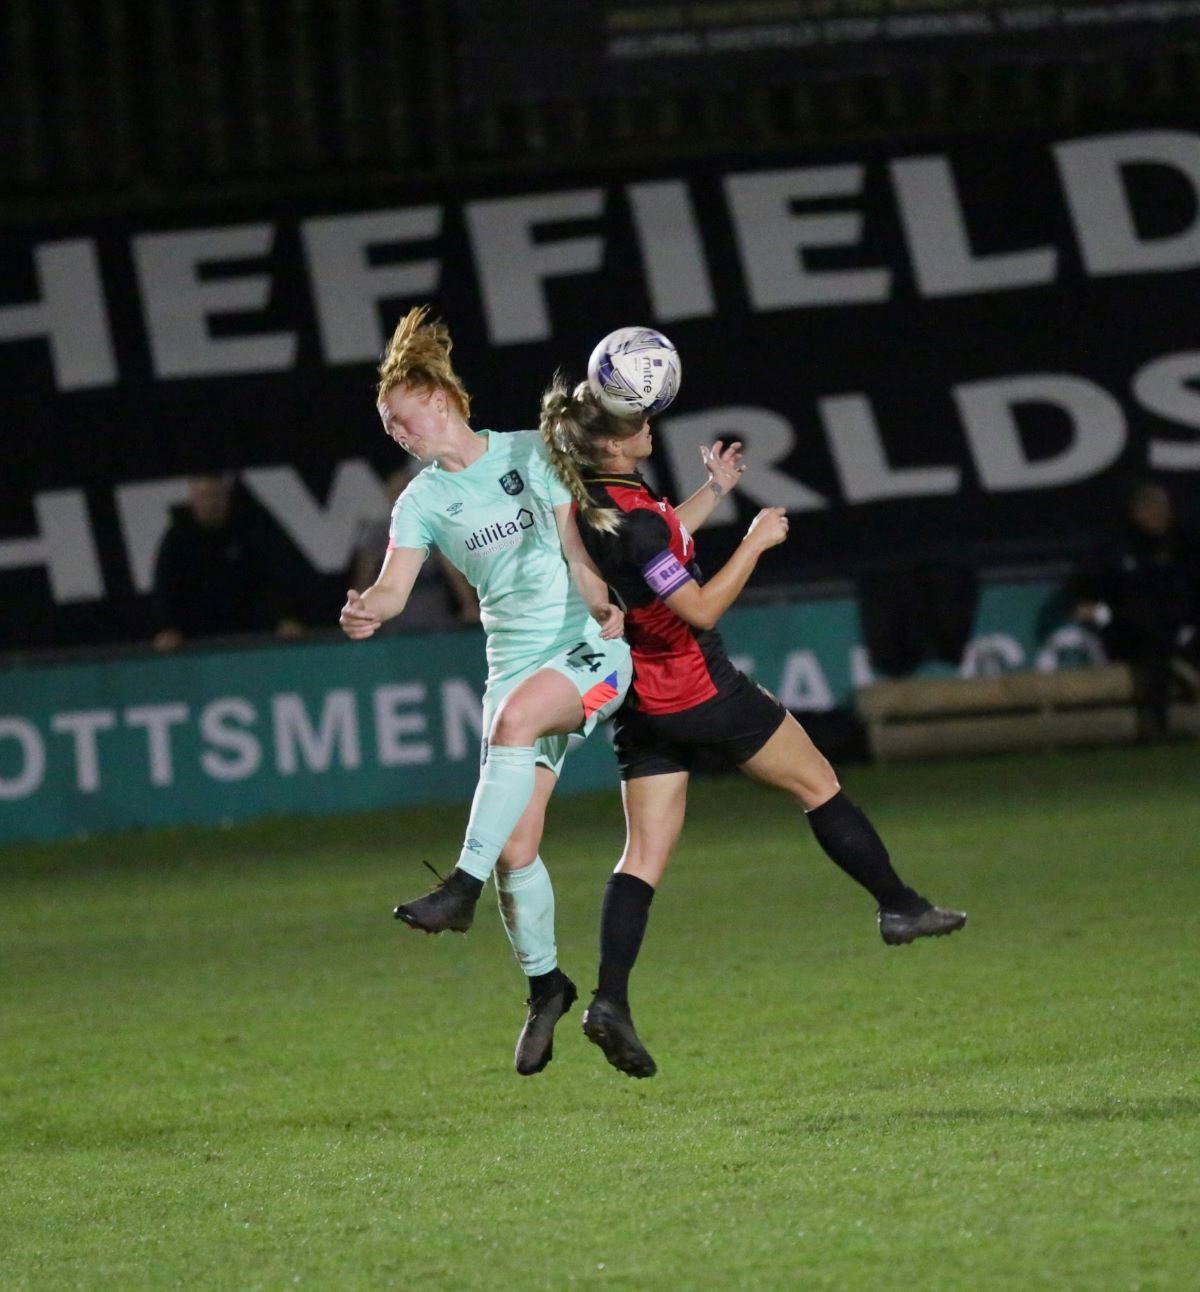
526	899
502	794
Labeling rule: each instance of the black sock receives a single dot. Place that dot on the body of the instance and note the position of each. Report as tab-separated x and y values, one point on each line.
850	841
623	917
541	984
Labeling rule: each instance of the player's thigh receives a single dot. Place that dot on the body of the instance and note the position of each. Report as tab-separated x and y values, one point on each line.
544	703
600	671
571	692
790	761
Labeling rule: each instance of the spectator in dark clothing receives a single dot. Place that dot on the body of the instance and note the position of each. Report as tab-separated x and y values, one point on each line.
1141	594
219	572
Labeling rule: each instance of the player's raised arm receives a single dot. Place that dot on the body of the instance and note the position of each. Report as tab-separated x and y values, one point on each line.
365	612
725	467
701	605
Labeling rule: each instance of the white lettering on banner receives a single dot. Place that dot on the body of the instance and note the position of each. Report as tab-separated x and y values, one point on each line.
83	725
1093	174
71	315
1167	387
1095	419
862	464
64	545
462	719
392	725
326	535
861	672
512	265
28	780
772	238
988	412
178	302
231	748
222	724
158	719
804	686
938	245
1068	647
348	289
990	654
144	512
668	233
773	439
295	734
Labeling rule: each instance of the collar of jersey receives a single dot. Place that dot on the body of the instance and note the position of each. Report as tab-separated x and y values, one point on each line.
635	481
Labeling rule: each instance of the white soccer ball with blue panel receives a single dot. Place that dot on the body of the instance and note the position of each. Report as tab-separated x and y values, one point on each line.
635	372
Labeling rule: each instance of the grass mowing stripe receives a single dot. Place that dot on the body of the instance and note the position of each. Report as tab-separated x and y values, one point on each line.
225	1066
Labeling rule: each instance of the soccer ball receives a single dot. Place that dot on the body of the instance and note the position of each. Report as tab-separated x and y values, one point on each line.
634	372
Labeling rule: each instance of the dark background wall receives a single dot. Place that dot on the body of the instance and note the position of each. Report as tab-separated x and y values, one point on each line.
937	265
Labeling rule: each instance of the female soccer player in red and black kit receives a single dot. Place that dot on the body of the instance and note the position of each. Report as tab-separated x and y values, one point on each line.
687	698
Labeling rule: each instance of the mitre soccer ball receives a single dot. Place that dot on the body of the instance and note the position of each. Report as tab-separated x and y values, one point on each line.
634	372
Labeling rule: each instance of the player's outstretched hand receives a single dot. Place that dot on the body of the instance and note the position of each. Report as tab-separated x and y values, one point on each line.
356	619
611	620
724	463
769	528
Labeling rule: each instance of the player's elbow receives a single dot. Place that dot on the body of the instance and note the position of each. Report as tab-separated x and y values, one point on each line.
702	618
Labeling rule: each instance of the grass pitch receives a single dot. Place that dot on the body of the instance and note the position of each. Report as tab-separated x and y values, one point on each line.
225	1066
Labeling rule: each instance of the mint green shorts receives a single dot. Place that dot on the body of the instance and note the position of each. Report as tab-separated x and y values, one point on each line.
599	670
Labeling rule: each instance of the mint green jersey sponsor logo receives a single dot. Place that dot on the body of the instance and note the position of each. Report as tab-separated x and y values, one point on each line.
503	534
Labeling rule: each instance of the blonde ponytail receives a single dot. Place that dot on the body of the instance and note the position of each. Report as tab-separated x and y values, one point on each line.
572	423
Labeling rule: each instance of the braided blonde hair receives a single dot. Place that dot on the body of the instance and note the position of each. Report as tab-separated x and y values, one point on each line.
572	424
418	356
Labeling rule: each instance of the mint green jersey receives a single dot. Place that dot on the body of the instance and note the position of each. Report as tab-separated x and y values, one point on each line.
495	521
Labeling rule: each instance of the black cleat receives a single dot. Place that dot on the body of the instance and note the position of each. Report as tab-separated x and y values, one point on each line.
899	927
610	1026
535	1045
451	905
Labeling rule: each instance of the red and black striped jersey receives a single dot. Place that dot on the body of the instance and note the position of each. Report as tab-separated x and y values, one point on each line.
675	666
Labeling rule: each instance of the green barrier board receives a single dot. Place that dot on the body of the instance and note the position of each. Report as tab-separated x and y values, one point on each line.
338	726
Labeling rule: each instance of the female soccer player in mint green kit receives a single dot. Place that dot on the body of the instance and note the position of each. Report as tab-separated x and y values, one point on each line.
557	666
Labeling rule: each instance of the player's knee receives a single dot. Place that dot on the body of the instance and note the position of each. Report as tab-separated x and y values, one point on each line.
818	783
520	851
515	724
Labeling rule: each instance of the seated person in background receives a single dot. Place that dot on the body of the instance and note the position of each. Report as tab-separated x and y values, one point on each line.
220	571
1141	594
441	597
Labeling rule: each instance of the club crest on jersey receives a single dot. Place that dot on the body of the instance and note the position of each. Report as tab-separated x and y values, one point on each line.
512	483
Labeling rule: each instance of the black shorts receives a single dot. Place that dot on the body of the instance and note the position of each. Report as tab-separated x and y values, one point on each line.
734	725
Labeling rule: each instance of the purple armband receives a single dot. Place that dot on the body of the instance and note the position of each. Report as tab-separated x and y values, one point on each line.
665	575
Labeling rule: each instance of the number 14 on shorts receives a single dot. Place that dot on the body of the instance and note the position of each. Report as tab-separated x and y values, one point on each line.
582	656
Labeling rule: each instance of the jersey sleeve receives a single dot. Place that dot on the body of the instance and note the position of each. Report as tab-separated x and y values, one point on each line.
409	527
646	547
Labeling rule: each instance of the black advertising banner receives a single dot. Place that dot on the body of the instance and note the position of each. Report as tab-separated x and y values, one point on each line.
962	348
623	47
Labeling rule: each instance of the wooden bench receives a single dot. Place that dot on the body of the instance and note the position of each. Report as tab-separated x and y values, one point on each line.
923	717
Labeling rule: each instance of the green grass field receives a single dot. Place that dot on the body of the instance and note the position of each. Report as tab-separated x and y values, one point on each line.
225	1066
